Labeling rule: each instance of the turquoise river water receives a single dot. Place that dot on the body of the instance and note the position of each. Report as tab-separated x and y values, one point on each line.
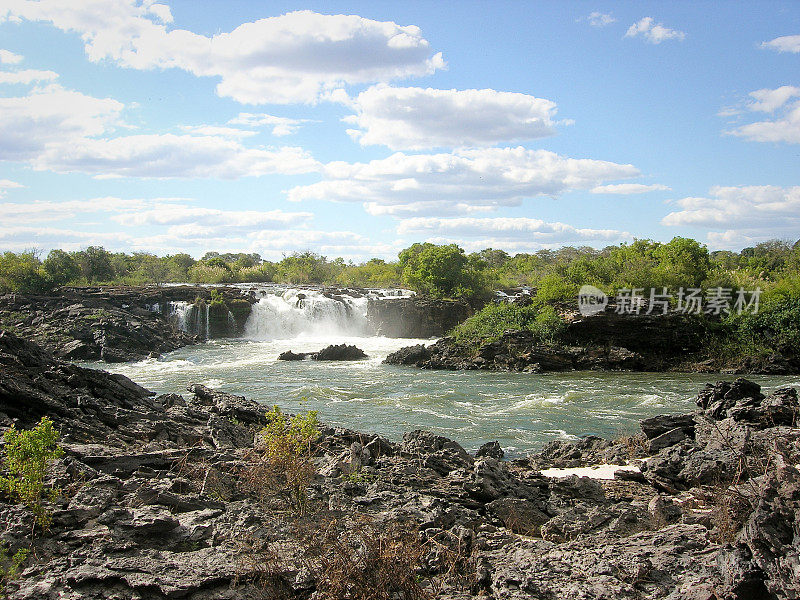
522	411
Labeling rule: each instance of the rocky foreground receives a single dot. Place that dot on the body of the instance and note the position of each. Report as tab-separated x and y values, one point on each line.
175	497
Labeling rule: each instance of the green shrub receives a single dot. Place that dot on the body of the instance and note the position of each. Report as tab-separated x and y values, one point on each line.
283	461
27	455
554	288
488	324
203	273
10	566
776	325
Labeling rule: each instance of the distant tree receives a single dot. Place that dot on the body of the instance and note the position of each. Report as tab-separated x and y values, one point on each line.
494	259
682	262
440	271
95	264
218	261
179	265
304	267
154	269
61	267
24	273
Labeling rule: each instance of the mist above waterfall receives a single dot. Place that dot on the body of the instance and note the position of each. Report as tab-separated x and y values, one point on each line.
307	312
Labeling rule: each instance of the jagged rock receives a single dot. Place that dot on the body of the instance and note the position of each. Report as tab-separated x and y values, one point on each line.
289	355
716	399
339	352
656	426
520	516
416	317
410	355
666	439
490	449
435	452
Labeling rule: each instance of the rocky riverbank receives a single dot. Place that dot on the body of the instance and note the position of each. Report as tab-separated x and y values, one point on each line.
117	324
608	342
120	324
177	496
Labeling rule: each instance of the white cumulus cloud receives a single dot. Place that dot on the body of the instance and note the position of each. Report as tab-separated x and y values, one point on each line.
754	212
653	32
280	125
9	58
785	43
60	130
169	155
295	57
479	178
216	130
625	189
411	118
598	19
508	229
50	116
784	126
27	76
5	185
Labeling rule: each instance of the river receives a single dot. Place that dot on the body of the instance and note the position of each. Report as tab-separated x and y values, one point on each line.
522	411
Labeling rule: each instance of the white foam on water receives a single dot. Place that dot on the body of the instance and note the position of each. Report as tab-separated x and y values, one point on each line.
294	312
595	472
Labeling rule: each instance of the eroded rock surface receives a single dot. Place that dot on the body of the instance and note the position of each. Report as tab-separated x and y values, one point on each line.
163	497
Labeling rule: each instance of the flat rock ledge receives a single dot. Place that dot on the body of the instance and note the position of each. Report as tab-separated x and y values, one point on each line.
162	497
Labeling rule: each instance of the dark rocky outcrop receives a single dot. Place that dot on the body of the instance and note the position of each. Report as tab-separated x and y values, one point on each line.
416	317
518	351
340	352
607	341
332	352
157	501
119	324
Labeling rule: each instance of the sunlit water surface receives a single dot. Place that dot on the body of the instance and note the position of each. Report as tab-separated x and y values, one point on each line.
522	411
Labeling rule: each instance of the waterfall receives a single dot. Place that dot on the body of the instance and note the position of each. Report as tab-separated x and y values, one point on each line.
294	312
177	314
191	318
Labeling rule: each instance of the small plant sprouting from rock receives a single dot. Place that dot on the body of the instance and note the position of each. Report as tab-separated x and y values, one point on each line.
283	458
10	566
27	456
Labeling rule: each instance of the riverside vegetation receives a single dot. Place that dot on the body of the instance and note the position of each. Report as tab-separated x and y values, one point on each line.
196	498
438	271
764	342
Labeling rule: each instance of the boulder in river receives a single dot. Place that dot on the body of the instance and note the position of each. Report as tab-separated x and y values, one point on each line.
340	352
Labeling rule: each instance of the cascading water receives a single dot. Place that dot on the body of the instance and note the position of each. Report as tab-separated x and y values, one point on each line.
193	318
177	314
295	312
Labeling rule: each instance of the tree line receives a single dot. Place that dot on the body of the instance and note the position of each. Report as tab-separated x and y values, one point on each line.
444	271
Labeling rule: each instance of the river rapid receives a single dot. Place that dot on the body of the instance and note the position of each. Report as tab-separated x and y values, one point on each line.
522	411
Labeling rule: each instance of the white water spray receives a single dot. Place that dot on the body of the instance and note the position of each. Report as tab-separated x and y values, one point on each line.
296	312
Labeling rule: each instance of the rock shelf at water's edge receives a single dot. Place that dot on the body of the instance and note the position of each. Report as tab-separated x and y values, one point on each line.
158	500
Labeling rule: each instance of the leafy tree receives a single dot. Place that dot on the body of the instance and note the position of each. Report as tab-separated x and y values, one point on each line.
682	262
154	269
304	267
24	273
61	267
27	456
179	265
494	259
219	262
440	271
95	264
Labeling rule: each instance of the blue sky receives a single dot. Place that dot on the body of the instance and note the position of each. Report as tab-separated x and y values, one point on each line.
355	129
